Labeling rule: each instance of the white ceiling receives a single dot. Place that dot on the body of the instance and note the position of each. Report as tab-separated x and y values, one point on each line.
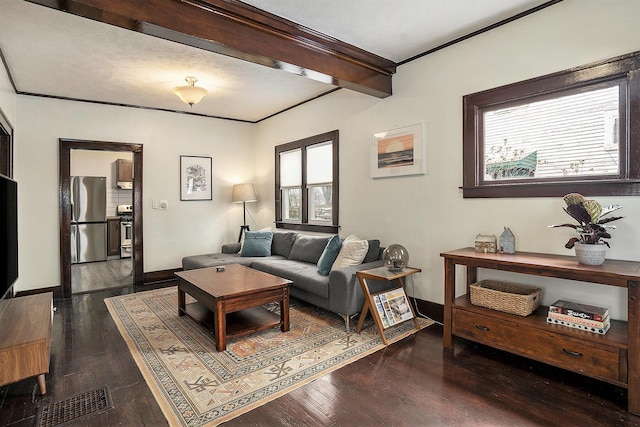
53	53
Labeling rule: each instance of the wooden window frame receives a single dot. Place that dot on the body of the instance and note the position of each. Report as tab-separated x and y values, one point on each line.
305	225
625	69
6	146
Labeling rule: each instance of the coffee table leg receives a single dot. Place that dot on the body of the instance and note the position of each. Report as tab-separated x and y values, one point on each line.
181	302
284	312
220	327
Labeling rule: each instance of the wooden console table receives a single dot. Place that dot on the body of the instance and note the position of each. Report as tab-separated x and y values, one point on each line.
25	338
613	357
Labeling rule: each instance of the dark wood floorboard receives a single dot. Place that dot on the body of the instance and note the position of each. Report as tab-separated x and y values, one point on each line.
97	276
410	383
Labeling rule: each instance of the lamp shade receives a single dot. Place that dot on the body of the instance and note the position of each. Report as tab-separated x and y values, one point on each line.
190	94
243	193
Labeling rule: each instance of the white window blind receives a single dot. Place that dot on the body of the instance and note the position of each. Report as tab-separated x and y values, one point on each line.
320	163
291	168
565	136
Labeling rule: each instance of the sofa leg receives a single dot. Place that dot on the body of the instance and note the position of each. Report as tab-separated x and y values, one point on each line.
347	320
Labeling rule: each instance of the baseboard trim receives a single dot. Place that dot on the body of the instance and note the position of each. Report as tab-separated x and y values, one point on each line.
57	292
430	309
159	276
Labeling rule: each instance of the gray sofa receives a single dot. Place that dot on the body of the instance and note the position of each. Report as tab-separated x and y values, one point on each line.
294	256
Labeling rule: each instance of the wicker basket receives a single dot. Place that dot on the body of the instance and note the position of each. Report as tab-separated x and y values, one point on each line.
508	297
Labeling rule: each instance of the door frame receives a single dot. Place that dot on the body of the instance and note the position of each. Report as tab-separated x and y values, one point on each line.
64	190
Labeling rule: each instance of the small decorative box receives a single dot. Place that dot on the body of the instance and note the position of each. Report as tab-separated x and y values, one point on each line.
485	243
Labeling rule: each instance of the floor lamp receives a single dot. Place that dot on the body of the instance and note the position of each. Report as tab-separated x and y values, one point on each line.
243	193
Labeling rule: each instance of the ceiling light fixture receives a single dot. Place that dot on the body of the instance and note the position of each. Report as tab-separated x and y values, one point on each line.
190	94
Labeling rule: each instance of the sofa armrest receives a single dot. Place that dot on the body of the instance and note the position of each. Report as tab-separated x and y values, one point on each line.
345	293
231	248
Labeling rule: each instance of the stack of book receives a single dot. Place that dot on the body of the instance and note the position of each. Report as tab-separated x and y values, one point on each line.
580	316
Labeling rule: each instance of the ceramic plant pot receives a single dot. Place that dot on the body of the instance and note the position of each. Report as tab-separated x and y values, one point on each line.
591	254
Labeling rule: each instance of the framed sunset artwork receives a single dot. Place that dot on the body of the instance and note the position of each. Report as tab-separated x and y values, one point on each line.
398	152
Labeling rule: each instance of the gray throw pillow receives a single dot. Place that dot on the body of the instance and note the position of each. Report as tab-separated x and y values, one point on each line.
308	248
256	243
282	243
374	251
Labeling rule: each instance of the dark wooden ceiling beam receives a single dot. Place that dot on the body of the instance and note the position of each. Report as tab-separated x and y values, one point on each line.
235	29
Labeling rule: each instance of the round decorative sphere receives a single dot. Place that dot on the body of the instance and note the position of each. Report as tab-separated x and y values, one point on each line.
395	257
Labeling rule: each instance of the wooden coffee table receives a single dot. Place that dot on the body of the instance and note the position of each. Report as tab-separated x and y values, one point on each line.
231	300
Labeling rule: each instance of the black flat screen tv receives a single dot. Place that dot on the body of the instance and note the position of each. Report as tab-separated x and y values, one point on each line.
8	235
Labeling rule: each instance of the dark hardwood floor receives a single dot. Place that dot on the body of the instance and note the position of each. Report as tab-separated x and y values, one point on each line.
411	383
98	276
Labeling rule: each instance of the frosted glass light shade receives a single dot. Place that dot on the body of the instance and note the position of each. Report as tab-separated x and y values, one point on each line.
243	193
190	94
395	257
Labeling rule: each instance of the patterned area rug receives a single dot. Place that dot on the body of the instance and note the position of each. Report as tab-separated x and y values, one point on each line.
195	385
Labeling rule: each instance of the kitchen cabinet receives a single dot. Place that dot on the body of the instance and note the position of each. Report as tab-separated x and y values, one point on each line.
124	169
113	236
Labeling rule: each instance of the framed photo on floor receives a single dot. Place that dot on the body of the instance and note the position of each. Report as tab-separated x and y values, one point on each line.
195	178
398	152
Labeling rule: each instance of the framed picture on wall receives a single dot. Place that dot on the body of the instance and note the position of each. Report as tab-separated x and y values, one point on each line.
398	152
195	178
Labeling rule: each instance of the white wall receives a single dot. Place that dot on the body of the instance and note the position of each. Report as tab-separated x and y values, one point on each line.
185	228
427	213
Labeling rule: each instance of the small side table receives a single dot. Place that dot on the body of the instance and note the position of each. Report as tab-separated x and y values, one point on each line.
382	274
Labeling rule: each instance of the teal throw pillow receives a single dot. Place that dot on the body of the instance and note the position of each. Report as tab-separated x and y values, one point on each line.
257	243
329	255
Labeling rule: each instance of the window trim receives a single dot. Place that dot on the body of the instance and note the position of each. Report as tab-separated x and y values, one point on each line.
624	68
6	145
305	225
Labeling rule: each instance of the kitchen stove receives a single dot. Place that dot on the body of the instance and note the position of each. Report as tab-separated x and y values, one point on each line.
125	212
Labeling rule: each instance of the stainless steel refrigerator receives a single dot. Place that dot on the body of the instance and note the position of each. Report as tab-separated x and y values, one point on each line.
88	219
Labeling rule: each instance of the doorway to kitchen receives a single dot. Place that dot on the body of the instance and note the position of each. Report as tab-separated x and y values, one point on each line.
93	253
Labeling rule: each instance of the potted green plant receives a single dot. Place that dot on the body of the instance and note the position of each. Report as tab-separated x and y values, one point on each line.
590	245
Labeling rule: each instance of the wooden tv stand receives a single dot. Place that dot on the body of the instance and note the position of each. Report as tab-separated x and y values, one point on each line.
25	338
613	357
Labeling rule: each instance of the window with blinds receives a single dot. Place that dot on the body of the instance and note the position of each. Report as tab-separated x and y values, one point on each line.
571	131
291	185
571	135
320	182
307	183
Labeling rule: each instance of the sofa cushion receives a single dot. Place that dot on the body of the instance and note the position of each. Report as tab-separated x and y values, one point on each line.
308	248
212	260
352	252
282	243
256	243
304	275
373	253
329	255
